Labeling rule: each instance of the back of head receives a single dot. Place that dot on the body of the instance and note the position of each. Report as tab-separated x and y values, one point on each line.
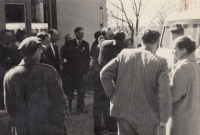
177	29
3	33
185	42
119	36
97	35
29	46
43	35
150	36
20	34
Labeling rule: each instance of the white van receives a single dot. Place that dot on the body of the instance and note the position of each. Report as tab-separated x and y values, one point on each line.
190	20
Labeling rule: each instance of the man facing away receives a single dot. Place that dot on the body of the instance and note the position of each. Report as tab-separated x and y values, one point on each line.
34	97
141	99
177	30
76	53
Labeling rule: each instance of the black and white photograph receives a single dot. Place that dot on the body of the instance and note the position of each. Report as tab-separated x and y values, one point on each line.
100	67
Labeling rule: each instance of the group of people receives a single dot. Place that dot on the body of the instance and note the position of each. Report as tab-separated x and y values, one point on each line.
134	92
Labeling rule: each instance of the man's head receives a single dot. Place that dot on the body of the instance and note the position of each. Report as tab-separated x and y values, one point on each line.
54	35
119	36
107	33
177	30
45	38
5	36
150	38
20	35
97	35
79	33
31	48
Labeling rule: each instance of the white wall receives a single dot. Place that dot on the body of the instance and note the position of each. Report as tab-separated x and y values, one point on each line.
79	13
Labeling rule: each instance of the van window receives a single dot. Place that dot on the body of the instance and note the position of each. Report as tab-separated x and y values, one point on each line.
190	30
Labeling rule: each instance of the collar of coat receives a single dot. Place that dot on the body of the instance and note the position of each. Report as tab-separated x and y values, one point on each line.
189	57
28	62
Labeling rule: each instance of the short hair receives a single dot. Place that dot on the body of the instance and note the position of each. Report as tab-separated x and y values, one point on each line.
176	28
150	36
29	53
185	42
104	30
51	31
3	33
43	35
20	33
97	35
119	36
78	29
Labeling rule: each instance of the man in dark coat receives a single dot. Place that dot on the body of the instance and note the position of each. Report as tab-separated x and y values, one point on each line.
110	45
76	53
5	59
34	97
52	55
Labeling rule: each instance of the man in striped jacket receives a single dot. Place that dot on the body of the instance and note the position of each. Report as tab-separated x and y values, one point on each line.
141	98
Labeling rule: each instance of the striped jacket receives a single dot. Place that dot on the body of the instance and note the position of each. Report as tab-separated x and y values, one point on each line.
141	93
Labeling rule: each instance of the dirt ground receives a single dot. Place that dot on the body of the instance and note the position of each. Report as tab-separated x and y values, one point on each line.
81	124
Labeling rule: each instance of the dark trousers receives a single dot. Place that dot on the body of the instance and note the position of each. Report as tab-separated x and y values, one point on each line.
101	109
75	82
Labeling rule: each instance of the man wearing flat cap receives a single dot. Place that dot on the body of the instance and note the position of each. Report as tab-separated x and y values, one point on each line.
34	97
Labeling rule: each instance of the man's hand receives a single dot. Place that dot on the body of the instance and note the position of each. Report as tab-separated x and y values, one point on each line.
100	40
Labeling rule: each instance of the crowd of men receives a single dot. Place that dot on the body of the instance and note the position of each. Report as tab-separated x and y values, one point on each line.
134	93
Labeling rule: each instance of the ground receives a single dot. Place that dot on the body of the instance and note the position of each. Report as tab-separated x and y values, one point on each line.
81	124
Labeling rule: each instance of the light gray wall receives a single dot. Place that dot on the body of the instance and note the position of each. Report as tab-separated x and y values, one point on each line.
83	13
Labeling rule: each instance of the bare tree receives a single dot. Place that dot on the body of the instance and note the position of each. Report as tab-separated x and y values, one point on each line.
165	9
137	9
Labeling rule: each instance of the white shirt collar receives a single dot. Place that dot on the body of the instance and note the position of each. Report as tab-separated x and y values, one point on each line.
77	41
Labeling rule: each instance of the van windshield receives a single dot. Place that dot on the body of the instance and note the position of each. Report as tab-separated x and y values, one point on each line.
191	30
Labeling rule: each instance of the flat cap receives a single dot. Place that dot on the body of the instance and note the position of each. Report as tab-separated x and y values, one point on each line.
30	43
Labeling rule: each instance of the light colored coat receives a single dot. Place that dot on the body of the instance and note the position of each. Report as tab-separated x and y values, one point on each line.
185	88
142	93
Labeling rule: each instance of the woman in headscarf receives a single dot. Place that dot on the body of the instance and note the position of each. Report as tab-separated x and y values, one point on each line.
185	88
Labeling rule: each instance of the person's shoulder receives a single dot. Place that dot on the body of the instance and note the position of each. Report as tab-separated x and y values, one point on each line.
159	57
47	66
127	51
12	72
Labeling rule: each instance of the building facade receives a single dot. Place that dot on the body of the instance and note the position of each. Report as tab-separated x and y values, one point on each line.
64	15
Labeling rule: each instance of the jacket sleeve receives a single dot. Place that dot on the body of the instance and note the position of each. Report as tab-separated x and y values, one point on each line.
164	93
107	74
56	94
